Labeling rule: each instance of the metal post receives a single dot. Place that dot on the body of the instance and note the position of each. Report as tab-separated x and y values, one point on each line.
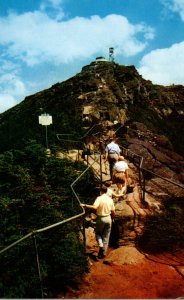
140	170
84	231
38	266
46	136
100	168
144	188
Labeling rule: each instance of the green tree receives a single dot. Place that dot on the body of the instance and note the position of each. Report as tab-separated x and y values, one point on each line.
36	193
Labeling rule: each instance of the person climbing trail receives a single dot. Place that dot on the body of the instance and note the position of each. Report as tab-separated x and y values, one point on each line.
112	153
120	172
105	211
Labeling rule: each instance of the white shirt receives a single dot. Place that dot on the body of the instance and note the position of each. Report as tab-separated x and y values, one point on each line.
109	192
113	148
120	166
104	205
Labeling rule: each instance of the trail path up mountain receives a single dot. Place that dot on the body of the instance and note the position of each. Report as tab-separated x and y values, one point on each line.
127	273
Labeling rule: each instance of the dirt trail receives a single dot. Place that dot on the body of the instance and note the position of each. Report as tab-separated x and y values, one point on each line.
156	277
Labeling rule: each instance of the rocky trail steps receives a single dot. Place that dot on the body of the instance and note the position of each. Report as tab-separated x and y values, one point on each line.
127	272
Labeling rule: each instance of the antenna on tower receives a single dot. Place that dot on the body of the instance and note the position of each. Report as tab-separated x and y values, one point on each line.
111	54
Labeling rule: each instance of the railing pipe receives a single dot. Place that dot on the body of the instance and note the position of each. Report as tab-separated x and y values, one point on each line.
100	168
84	232
43	229
59	223
143	189
16	242
38	266
164	178
86	134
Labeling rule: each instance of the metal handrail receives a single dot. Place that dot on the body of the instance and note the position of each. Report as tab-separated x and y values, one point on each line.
41	230
81	138
86	134
142	170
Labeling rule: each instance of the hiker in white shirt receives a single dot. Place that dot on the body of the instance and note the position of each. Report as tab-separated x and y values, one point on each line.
112	153
105	212
120	172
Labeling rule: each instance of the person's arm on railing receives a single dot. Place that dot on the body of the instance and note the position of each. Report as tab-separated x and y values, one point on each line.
88	206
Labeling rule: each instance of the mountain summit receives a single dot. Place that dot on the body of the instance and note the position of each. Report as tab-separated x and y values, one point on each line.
103	90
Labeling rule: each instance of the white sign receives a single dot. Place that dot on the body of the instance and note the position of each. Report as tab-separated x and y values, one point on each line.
45	119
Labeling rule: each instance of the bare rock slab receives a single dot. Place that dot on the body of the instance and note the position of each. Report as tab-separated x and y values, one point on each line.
126	255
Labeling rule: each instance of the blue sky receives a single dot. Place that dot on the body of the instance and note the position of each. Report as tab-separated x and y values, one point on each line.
43	42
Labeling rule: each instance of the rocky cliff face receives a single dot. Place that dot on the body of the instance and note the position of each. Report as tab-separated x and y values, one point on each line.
101	91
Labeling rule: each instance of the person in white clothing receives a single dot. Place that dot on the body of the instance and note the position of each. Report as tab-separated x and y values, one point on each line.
120	172
105	212
112	153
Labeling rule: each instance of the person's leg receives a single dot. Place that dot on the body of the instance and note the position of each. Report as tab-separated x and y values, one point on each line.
112	160
100	228
106	232
111	164
99	231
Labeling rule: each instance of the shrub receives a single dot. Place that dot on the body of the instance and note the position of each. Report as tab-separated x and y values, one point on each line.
35	193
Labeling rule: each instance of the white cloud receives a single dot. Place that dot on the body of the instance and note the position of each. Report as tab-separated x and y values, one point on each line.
11	89
13	84
6	101
176	6
164	66
35	38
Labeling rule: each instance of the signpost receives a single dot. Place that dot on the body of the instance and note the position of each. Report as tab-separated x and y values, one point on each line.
45	120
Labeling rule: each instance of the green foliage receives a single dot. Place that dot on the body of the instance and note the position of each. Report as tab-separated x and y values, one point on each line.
32	156
63	257
36	193
19	276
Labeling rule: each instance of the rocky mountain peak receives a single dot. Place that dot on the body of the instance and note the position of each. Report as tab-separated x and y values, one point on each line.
102	91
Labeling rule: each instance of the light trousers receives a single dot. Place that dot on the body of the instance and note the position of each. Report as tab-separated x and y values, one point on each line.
103	230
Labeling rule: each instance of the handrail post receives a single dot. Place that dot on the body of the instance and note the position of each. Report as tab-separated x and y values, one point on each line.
100	168
140	170
144	187
84	232
88	153
38	266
